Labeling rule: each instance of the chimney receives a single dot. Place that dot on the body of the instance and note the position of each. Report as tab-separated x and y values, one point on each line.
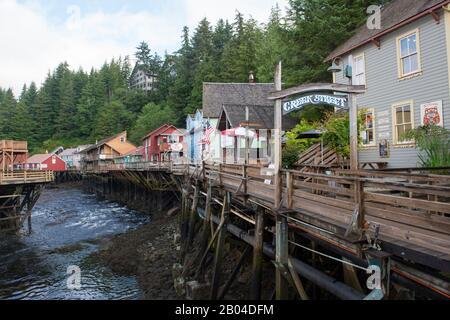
251	77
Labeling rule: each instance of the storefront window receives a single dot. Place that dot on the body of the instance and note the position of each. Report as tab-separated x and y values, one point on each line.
403	122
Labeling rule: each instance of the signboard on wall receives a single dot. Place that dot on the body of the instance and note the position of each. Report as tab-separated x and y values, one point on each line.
315	99
431	113
384	149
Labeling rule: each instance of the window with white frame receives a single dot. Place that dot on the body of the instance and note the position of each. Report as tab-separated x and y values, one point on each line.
409	55
368	127
359	70
403	121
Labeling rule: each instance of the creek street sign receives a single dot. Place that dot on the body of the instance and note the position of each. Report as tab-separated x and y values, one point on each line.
314	99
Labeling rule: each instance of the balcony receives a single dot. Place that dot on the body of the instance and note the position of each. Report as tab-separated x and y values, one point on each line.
11	145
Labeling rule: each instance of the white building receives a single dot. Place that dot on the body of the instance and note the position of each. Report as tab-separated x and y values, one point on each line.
141	79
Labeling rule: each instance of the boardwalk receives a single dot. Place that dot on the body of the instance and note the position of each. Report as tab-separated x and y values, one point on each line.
404	214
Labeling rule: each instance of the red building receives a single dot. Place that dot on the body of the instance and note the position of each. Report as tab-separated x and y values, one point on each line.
164	144
46	161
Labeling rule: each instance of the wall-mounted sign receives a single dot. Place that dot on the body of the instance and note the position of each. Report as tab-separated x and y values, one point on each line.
314	99
431	113
384	149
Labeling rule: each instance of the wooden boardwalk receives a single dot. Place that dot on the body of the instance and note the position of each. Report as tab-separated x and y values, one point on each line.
25	177
404	214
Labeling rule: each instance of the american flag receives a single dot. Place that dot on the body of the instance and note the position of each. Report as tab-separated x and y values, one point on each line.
207	133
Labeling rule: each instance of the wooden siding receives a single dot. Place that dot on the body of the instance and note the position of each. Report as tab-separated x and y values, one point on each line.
384	88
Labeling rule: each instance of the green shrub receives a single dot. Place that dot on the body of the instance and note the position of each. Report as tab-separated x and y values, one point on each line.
434	143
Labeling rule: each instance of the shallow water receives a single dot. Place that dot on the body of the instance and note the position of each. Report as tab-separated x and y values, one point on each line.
68	225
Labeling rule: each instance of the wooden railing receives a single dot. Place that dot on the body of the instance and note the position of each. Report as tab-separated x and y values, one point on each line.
13	145
24	177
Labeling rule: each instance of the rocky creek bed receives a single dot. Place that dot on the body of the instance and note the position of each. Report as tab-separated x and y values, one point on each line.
147	253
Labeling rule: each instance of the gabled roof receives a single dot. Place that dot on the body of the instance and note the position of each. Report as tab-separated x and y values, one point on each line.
215	95
135	152
68	152
40	158
161	130
393	16
260	117
138	67
102	142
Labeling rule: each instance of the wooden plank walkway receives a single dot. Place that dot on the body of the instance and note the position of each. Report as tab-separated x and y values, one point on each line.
25	177
409	213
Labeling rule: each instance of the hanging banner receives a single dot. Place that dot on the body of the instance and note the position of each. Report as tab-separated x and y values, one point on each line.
431	113
314	99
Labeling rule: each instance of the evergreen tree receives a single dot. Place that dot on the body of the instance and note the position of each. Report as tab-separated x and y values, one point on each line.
112	118
182	88
152	117
7	111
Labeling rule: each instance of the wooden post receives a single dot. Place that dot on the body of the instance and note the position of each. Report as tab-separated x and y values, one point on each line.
278	128
218	257
247	142
359	203
281	257
257	269
354	163
290	190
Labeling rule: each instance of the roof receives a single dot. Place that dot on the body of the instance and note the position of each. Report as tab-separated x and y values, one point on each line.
102	142
136	152
215	95
394	15
314	87
161	130
39	158
260	117
137	67
68	152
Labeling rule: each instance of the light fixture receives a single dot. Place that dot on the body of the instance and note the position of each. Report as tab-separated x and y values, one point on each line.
335	66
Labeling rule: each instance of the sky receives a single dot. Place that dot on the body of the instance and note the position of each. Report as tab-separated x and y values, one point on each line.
36	35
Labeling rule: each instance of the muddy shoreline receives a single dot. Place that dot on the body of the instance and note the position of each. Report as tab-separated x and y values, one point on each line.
148	253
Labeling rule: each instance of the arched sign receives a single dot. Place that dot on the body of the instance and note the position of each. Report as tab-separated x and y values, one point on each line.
315	99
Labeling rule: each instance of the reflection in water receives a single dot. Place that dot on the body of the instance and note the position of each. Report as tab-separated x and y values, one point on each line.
68	226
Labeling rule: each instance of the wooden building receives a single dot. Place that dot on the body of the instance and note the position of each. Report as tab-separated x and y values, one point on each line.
12	154
237	123
405	67
164	144
72	156
44	162
133	157
102	154
215	96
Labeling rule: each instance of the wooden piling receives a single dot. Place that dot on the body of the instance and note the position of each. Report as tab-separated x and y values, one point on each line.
218	257
257	268
281	257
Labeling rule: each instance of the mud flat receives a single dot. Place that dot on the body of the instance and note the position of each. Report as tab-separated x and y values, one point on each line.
148	253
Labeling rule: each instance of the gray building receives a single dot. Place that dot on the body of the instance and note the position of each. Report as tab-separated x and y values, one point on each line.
141	79
405	67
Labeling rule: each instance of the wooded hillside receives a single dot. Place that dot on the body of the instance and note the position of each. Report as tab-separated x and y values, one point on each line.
74	107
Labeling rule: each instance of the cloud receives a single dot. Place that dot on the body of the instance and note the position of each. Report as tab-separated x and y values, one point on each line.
34	42
214	10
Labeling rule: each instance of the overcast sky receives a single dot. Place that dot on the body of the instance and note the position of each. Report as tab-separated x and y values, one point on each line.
36	35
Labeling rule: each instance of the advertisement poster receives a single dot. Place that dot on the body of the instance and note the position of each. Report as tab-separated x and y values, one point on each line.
431	113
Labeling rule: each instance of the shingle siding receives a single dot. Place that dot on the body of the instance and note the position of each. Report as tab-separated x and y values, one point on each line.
384	88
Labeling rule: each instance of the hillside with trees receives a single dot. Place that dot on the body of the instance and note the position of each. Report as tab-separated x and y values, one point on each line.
78	106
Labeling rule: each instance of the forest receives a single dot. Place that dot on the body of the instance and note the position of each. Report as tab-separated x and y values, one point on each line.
74	107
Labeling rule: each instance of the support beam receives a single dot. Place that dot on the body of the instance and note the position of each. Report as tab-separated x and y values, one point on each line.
257	269
218	258
281	257
354	163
